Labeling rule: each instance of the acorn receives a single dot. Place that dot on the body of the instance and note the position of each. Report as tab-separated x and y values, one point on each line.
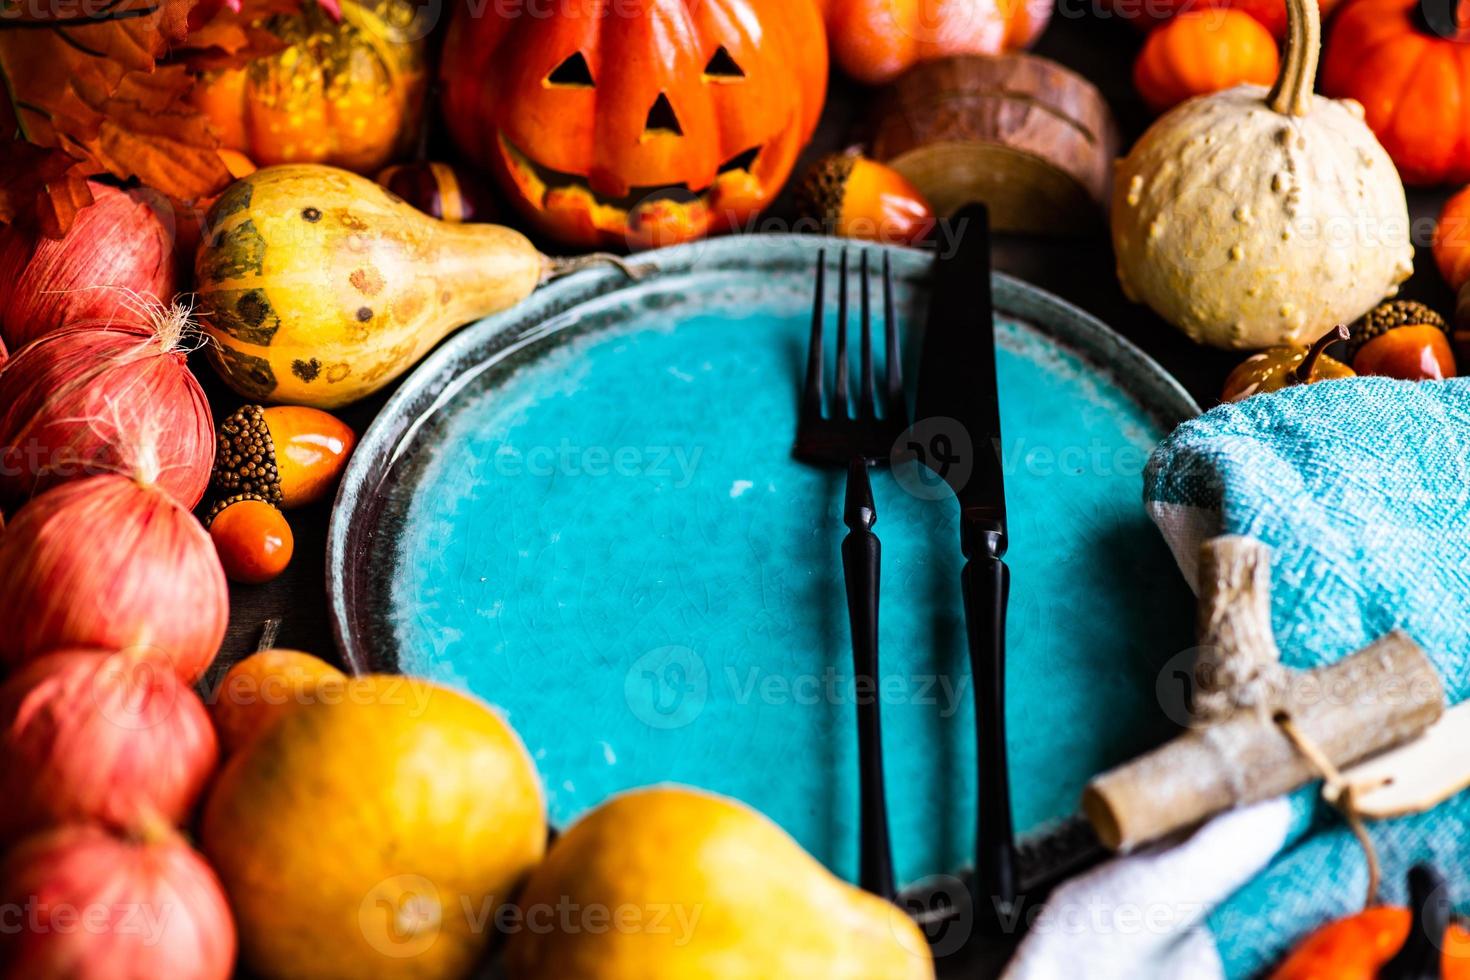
288	455
849	195
251	537
1281	367
1402	339
441	191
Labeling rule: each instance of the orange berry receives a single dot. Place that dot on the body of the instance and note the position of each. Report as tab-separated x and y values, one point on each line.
252	538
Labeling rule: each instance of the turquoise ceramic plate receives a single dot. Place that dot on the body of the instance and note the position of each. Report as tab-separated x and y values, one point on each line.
586	512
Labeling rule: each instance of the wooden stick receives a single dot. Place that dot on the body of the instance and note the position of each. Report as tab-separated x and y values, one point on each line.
1377	698
1238	664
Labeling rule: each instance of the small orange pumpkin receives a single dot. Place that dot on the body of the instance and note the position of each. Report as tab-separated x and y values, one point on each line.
875	41
1204	51
1388	943
652	125
1410	78
1452	240
348	93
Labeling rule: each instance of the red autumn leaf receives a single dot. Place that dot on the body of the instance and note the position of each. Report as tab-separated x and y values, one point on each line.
42	185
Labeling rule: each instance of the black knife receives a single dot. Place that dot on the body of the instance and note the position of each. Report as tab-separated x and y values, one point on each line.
958	412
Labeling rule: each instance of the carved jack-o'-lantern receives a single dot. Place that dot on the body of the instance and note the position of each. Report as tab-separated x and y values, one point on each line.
638	122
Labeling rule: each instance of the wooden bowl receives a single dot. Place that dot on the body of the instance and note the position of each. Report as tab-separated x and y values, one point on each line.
1031	139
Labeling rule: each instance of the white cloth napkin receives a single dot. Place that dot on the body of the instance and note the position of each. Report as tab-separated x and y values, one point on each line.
1138	917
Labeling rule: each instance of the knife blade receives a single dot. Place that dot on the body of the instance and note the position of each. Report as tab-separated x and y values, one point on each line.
957	376
958	408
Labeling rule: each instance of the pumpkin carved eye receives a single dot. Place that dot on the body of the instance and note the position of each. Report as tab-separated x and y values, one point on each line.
571	73
722	67
661	118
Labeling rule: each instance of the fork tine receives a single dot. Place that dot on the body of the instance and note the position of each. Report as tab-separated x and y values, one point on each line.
895	408
811	396
839	398
865	401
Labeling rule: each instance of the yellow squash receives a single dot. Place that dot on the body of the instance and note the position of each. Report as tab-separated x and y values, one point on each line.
668	883
376	831
318	286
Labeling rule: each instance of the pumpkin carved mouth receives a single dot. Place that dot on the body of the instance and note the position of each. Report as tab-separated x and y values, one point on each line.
540	182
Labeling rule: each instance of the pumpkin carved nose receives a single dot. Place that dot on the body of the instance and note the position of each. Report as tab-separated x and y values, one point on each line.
573	72
722	67
662	118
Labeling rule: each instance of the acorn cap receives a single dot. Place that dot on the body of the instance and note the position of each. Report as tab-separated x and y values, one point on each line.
820	194
220	505
245	462
1390	316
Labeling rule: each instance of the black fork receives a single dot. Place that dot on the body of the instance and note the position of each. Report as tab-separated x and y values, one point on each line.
833	435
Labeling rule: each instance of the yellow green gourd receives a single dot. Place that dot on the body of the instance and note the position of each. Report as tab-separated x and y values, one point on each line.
318	287
1251	218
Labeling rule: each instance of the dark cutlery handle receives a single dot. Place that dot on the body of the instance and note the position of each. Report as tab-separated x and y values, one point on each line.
861	561
986	583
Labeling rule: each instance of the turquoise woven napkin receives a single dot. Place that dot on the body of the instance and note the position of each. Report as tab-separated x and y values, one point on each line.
1362	490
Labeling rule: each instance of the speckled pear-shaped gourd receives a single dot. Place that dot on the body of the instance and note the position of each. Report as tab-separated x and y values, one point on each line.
1250	218
317	286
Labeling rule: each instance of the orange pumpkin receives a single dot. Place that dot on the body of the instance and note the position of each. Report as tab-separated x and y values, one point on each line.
641	127
1378	944
1201	52
1150	15
346	93
875	41
1452	240
1414	84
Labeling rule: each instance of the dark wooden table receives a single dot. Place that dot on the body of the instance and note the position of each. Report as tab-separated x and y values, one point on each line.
1079	270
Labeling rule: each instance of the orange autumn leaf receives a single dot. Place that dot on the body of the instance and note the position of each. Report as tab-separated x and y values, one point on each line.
150	131
232	37
81	86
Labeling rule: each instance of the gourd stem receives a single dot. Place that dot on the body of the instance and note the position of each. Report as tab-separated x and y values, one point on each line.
558	267
1292	94
1420	956
1303	373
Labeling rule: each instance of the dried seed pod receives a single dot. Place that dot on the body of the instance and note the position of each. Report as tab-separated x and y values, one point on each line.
1403	339
854	197
289	455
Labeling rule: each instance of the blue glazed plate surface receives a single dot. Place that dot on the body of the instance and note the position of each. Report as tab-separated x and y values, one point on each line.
587	513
